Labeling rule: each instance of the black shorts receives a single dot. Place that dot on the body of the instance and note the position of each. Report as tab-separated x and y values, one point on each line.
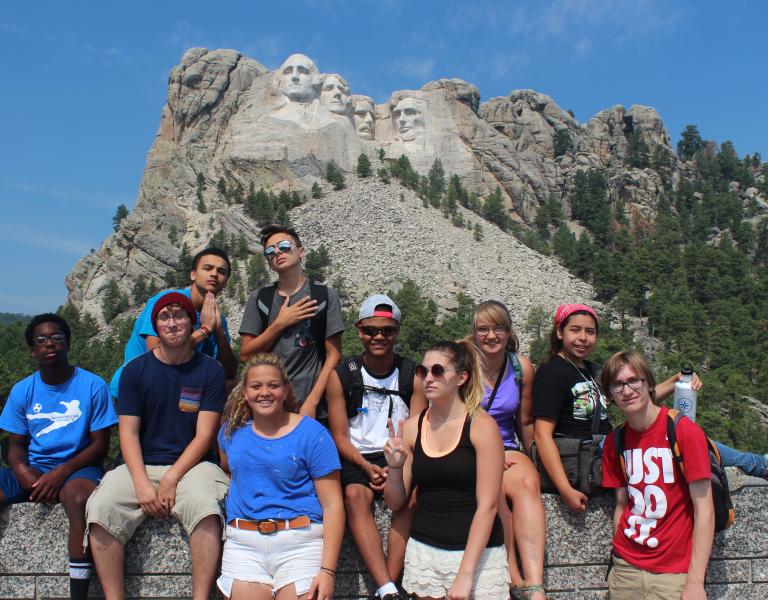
351	473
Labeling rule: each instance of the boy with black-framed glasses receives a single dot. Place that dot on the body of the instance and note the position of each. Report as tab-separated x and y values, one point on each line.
296	319
58	419
364	393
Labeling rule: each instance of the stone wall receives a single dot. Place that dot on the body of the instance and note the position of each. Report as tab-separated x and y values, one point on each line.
33	553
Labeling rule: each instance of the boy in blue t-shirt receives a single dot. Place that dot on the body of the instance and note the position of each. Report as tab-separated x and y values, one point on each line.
58	420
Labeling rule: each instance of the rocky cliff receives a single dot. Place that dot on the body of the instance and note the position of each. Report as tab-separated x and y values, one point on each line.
229	119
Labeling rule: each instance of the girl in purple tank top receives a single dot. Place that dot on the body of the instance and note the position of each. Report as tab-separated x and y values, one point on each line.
510	404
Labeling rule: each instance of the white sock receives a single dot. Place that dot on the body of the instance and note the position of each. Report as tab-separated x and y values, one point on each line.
387	588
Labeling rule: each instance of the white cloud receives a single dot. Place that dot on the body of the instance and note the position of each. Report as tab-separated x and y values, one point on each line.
583	47
505	63
415	68
45	241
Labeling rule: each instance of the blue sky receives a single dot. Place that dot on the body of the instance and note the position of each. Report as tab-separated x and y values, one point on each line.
85	83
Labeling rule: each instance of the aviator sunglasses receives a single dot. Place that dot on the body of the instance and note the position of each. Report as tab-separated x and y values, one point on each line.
436	370
283	245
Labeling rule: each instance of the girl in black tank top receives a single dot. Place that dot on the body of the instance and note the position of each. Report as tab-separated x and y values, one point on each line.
456	546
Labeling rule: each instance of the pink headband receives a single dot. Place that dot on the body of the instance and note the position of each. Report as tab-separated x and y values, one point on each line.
566	310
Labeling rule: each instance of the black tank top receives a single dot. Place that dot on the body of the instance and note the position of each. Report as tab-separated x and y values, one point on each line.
446	501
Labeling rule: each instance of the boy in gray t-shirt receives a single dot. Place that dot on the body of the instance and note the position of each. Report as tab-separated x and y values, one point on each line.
305	332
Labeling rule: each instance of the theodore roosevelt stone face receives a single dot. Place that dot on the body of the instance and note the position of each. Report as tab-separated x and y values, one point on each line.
408	119
299	78
364	117
335	94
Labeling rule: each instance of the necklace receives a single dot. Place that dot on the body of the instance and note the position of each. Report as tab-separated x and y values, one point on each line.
435	421
591	379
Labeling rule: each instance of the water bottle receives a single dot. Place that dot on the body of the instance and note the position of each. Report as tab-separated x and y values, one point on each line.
685	395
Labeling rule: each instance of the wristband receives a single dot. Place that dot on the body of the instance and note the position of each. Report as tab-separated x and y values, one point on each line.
206	331
330	572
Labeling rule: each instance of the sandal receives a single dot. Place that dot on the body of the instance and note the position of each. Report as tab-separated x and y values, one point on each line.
516	593
530	590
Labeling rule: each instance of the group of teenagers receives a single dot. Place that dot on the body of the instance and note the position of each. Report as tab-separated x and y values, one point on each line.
278	460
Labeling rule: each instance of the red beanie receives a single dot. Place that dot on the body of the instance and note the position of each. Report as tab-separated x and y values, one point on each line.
173	298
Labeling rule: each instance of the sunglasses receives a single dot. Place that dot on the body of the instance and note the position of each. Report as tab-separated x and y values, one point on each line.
370	331
436	370
56	338
283	245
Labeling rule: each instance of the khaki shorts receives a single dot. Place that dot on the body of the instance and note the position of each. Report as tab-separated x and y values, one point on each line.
626	582
114	507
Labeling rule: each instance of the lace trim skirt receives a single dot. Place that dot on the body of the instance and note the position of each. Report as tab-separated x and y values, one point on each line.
430	571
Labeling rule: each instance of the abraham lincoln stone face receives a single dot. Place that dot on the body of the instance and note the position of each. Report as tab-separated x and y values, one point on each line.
408	119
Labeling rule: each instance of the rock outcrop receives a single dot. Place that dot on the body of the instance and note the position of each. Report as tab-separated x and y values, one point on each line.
230	120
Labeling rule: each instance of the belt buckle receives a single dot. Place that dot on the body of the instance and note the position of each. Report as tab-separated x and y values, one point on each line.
271	528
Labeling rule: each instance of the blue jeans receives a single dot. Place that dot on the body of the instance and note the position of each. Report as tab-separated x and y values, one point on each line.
752	464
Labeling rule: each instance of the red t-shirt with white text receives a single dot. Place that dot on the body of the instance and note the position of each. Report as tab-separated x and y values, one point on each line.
656	530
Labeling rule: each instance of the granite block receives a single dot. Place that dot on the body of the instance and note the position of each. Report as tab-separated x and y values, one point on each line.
353	585
17	586
760	570
728	571
136	586
739	591
578	538
580	595
592	577
159	546
748	536
561	578
33	539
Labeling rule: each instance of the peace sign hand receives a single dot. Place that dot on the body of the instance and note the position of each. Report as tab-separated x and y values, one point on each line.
394	449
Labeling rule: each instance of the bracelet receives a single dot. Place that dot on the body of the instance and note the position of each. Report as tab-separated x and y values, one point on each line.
330	572
205	330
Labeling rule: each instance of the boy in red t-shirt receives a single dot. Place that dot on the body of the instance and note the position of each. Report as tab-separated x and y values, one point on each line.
664	520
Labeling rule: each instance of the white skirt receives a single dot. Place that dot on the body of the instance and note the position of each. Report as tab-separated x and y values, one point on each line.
430	571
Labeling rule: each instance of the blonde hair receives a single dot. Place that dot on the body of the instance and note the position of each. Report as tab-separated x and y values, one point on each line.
633	360
465	357
496	312
237	412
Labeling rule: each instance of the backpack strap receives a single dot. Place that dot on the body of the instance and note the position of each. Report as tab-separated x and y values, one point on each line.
518	367
319	293
351	379
264	300
619	435
673	418
406	369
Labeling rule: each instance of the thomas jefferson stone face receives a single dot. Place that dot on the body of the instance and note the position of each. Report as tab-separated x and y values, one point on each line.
408	119
364	118
335	94
298	78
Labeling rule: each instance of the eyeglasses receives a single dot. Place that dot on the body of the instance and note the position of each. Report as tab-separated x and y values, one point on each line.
371	331
283	245
436	370
484	330
56	338
179	317
618	386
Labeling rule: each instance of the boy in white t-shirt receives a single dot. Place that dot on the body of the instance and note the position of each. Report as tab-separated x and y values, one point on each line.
364	393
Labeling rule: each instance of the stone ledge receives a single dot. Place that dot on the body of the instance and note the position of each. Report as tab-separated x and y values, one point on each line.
33	553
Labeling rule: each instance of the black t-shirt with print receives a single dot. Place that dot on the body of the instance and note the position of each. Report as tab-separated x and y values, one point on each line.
568	394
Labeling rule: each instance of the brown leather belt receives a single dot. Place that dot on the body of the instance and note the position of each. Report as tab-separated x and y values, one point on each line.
270	526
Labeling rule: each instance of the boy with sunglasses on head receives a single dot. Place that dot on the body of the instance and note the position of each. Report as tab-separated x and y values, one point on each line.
364	394
296	319
58	419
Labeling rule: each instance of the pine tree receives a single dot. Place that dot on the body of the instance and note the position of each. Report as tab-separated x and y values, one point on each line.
690	143
363	165
495	211
478	232
334	176
436	183
120	214
317	190
637	151
258	275
562	142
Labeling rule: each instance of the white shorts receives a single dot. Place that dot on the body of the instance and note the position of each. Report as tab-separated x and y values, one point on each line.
430	571
290	556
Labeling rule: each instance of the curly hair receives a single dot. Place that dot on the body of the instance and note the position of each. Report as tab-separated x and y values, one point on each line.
237	412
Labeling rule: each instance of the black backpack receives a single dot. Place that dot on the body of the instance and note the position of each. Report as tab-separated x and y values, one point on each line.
721	495
319	293
351	378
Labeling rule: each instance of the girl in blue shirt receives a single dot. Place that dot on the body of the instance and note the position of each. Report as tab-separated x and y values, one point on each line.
285	513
